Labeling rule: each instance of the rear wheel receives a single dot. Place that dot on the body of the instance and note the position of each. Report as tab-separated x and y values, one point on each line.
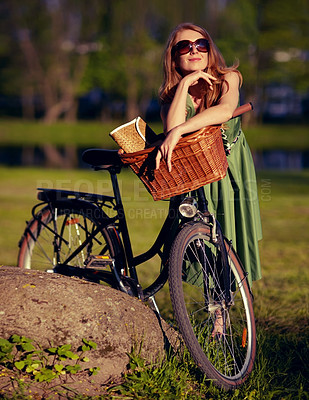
67	234
219	334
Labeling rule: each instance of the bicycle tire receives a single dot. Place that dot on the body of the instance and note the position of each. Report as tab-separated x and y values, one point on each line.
226	358
72	221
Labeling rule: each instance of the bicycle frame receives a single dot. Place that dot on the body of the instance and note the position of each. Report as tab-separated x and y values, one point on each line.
50	195
155	249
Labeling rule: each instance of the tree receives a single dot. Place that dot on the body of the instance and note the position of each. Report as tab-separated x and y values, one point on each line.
61	49
133	41
128	64
51	41
270	39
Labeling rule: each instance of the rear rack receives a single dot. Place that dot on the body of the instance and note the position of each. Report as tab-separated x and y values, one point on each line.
58	194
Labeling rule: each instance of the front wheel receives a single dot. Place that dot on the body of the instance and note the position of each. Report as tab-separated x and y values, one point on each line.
218	329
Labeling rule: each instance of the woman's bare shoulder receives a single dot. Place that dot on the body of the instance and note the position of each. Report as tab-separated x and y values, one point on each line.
232	77
232	81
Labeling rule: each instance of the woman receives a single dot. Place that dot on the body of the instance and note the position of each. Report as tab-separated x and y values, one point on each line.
200	90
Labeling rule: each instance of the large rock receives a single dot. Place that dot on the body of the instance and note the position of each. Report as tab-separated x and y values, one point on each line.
56	310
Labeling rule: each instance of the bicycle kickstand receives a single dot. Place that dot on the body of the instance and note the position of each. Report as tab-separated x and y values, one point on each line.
153	305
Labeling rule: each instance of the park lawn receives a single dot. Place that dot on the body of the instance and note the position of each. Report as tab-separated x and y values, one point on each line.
278	137
284	211
281	296
88	134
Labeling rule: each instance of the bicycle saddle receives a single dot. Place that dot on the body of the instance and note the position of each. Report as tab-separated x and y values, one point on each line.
102	158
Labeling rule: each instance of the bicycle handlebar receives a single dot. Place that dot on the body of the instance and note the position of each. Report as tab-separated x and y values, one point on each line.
242	109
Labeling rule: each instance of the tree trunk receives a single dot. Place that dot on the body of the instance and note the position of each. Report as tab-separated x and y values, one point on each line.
54	158
27	97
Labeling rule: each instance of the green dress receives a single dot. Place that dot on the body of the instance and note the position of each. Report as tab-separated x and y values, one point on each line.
234	199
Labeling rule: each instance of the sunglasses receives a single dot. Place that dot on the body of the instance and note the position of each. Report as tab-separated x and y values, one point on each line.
186	46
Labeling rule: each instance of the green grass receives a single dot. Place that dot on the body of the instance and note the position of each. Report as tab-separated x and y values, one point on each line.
81	134
284	200
281	297
278	136
87	134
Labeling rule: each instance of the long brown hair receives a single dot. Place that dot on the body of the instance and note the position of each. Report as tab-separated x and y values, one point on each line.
216	67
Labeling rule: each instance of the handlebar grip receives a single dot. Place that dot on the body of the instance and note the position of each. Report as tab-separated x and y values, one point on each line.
242	109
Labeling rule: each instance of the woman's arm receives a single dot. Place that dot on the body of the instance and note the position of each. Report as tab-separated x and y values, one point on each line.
211	116
177	109
217	114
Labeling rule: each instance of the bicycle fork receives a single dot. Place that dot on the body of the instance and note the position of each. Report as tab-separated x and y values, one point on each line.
216	280
220	265
218	239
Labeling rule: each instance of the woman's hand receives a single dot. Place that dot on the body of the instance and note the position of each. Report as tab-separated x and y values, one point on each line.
195	77
166	149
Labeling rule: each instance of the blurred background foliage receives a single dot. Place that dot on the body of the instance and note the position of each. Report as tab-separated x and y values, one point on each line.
102	59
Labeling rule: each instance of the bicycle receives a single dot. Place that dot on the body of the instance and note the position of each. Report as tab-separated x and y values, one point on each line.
86	235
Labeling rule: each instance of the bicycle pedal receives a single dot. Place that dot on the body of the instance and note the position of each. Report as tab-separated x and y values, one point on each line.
99	262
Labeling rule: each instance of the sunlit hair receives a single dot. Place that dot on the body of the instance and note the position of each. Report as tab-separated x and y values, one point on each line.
216	67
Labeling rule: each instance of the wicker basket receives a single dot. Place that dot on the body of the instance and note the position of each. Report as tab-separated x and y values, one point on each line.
198	159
